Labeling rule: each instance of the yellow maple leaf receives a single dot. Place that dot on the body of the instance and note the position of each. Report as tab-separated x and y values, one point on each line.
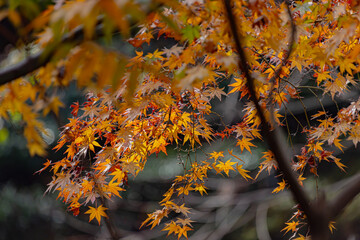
113	187
243	172
281	187
36	148
302	237
225	166
237	85
87	186
322	76
331	226
339	164
245	143
118	174
200	188
171	227
291	226
338	144
216	155
184	189
301	179
96	213
183	231
53	106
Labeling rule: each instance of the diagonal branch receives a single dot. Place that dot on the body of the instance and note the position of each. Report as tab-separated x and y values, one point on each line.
348	193
23	68
275	138
43	57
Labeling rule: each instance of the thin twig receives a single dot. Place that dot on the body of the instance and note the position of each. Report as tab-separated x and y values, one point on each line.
287	53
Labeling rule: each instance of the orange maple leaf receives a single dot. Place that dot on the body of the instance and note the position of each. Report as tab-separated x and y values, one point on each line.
96	213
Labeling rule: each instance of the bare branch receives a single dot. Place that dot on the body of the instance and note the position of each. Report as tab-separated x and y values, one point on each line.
41	58
23	68
348	193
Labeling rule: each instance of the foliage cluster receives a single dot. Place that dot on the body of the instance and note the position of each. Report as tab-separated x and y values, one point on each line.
137	106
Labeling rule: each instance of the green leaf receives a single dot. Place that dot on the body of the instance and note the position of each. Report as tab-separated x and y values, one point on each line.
190	32
4	135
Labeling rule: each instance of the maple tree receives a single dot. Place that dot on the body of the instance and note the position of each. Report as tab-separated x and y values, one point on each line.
141	105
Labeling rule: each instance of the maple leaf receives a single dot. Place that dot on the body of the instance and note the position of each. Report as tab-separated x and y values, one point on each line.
320	113
268	163
96	213
302	237
237	85
216	155
190	32
331	226
281	187
245	143
322	76
291	226
175	50
184	221
339	164
193	76
184	190
182	209
338	144
227	61
243	172
46	165
215	92
118	174
171	227
183	231
200	188
87	186
301	179
75	108
225	166
354	135
54	105
113	187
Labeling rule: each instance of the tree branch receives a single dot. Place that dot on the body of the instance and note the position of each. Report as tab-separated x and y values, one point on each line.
43	57
317	219
274	138
287	53
348	193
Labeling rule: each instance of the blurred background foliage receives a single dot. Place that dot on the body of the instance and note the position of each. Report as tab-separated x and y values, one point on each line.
233	209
